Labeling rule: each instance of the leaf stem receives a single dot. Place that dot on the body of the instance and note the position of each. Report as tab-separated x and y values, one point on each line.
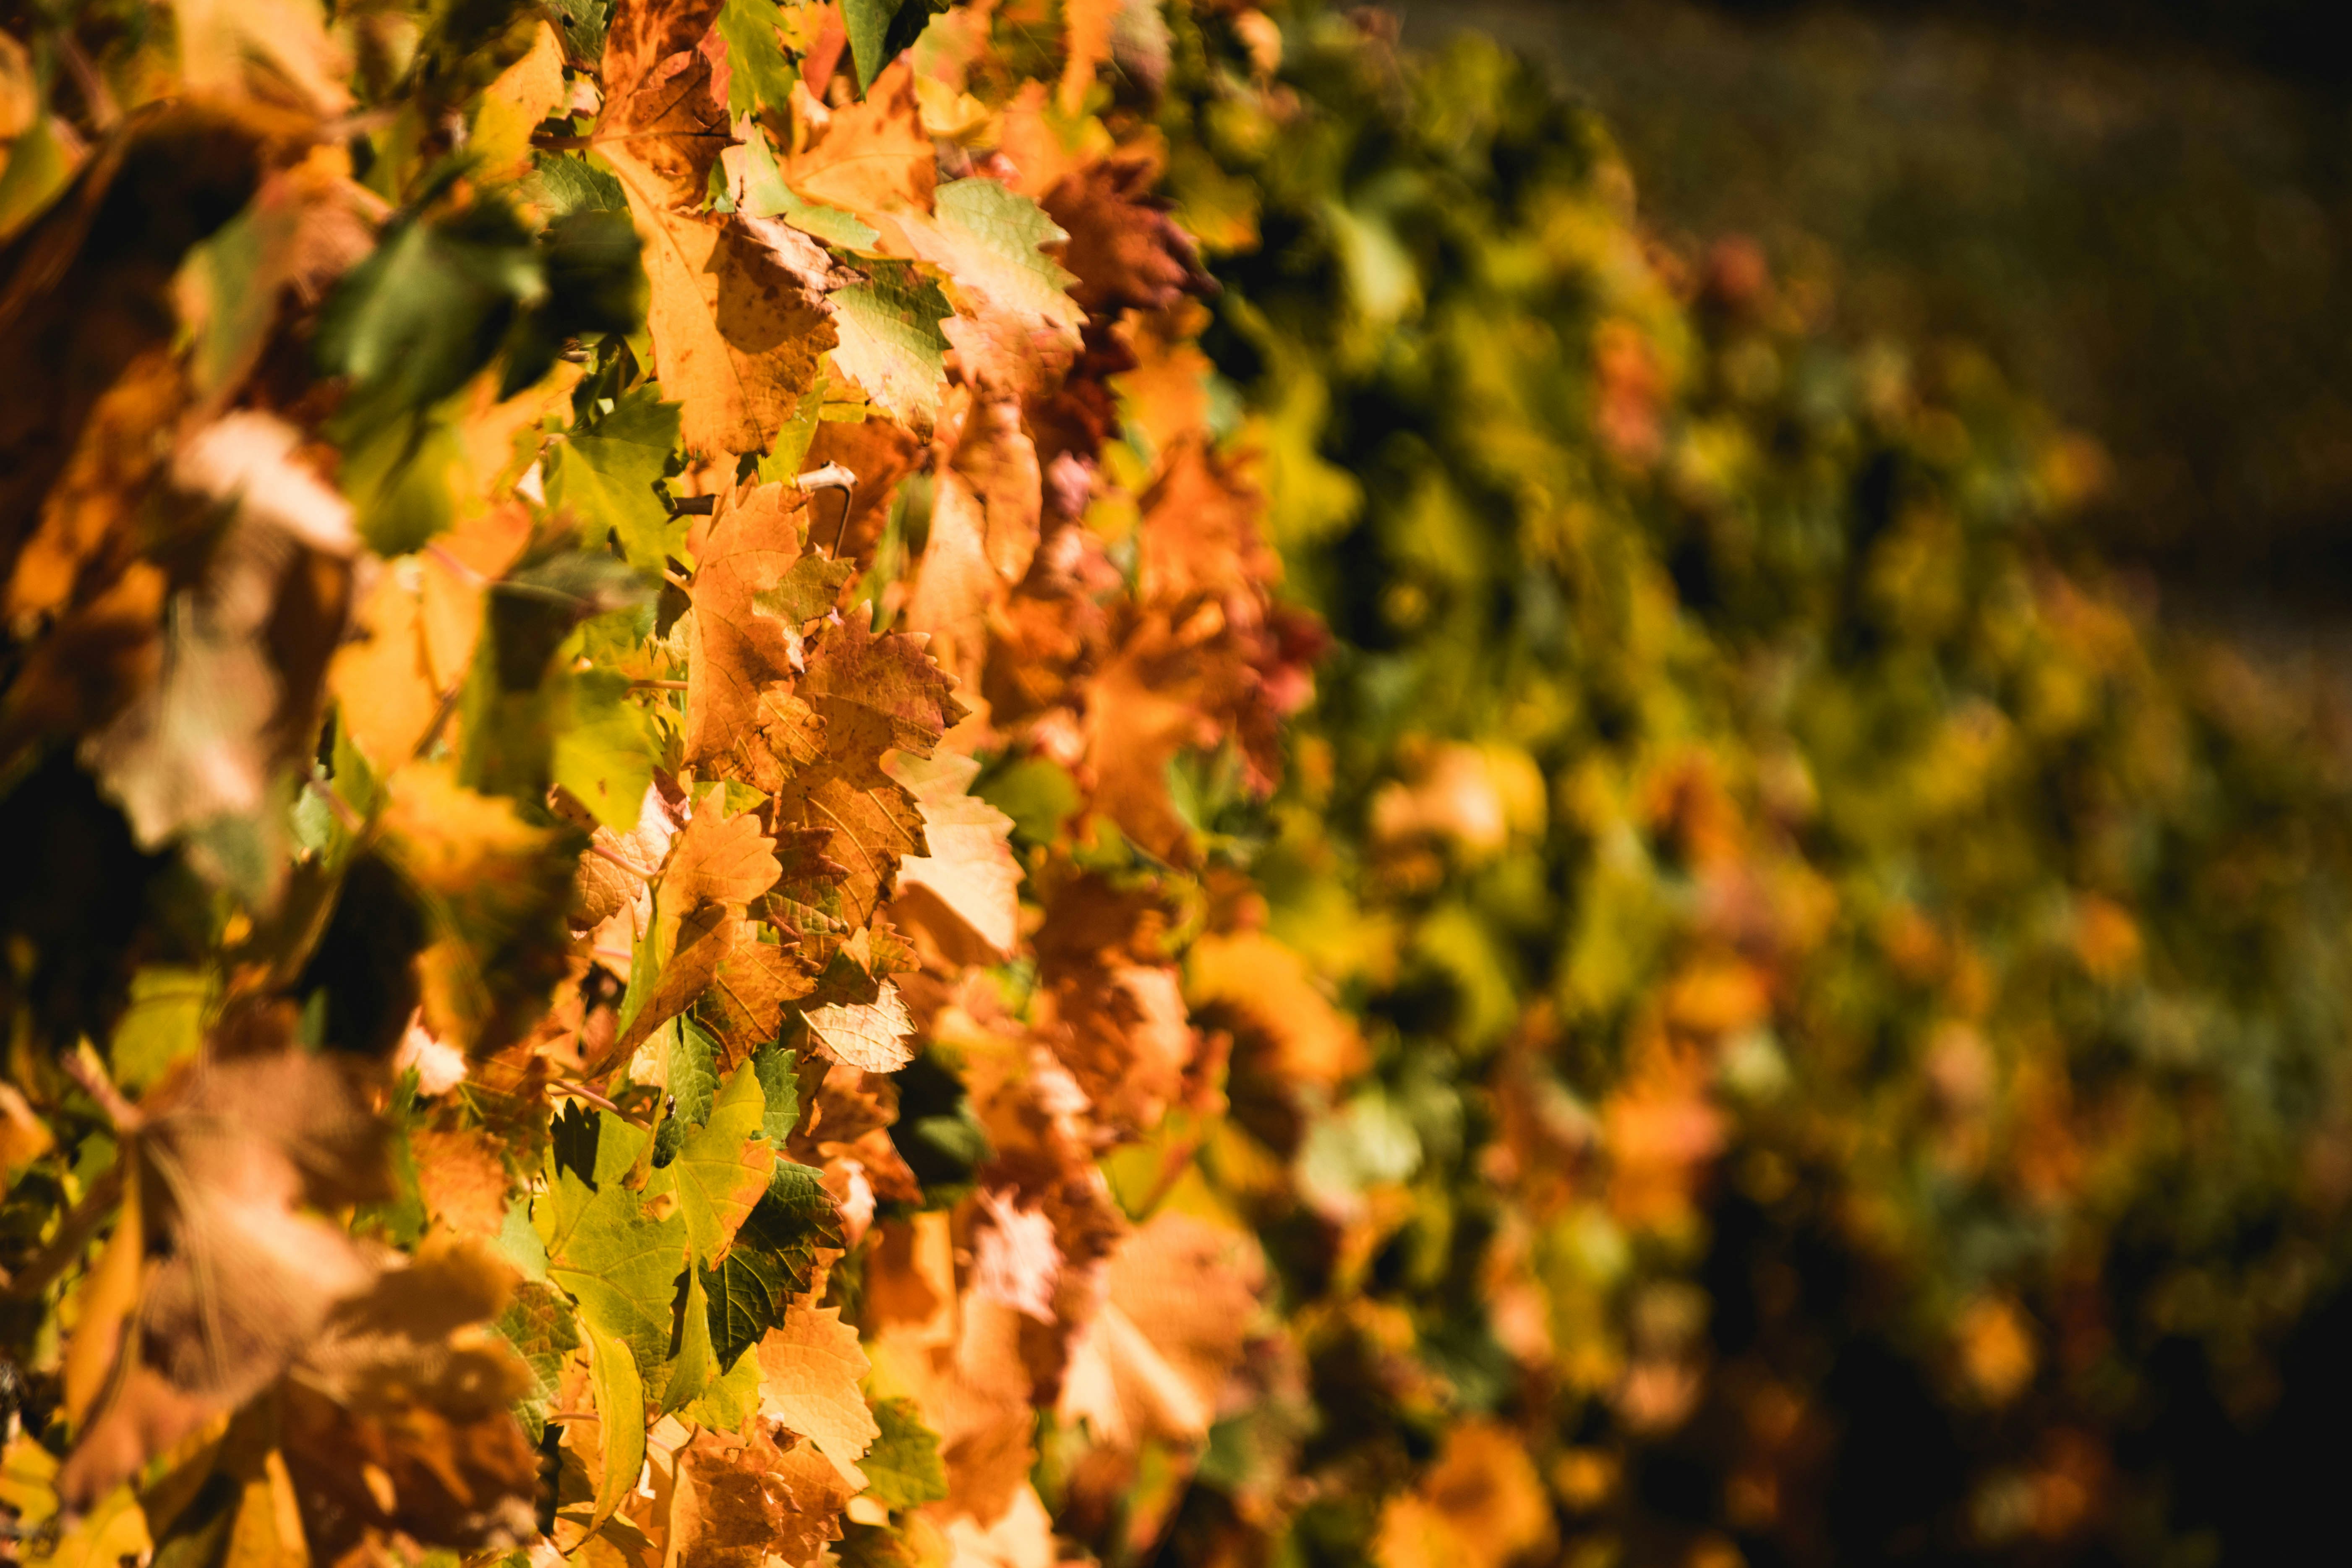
603	854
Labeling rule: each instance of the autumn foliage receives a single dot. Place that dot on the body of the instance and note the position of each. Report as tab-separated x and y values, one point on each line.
683	897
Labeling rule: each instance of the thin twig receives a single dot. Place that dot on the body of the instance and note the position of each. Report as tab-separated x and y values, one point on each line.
833	476
442	553
72	1236
658	685
582	1091
352	820
603	854
103	113
84	1068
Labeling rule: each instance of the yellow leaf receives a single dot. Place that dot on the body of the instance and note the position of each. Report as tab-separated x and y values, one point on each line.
1480	1506
868	1034
736	341
277	50
513	106
620	1417
112	1531
1182	1293
108	1295
970	869
872	158
810	1370
1270	983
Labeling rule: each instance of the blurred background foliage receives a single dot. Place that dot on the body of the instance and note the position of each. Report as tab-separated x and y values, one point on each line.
1856	1009
2143	211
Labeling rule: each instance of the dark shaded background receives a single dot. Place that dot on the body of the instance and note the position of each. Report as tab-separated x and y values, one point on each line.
2144	212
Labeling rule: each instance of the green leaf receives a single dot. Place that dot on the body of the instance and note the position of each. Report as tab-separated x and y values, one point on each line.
621	1417
773	1258
162	1025
761	77
731	1398
604	751
396	472
903	1469
765	195
711	1172
778	1081
991	241
694	1368
569	182
693	1084
607	477
519	1245
810	587
539	1323
36	170
236	315
1037	792
610	1251
426	309
890	340
880	31
581	23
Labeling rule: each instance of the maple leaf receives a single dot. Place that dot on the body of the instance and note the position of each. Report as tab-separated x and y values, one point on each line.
749	992
890	341
716	859
736	336
649	44
606	473
717	866
616	1250
619	869
772	1260
991	242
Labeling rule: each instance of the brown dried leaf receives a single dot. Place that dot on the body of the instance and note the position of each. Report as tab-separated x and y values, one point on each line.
736	1501
740	653
1125	248
718	859
240	1278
